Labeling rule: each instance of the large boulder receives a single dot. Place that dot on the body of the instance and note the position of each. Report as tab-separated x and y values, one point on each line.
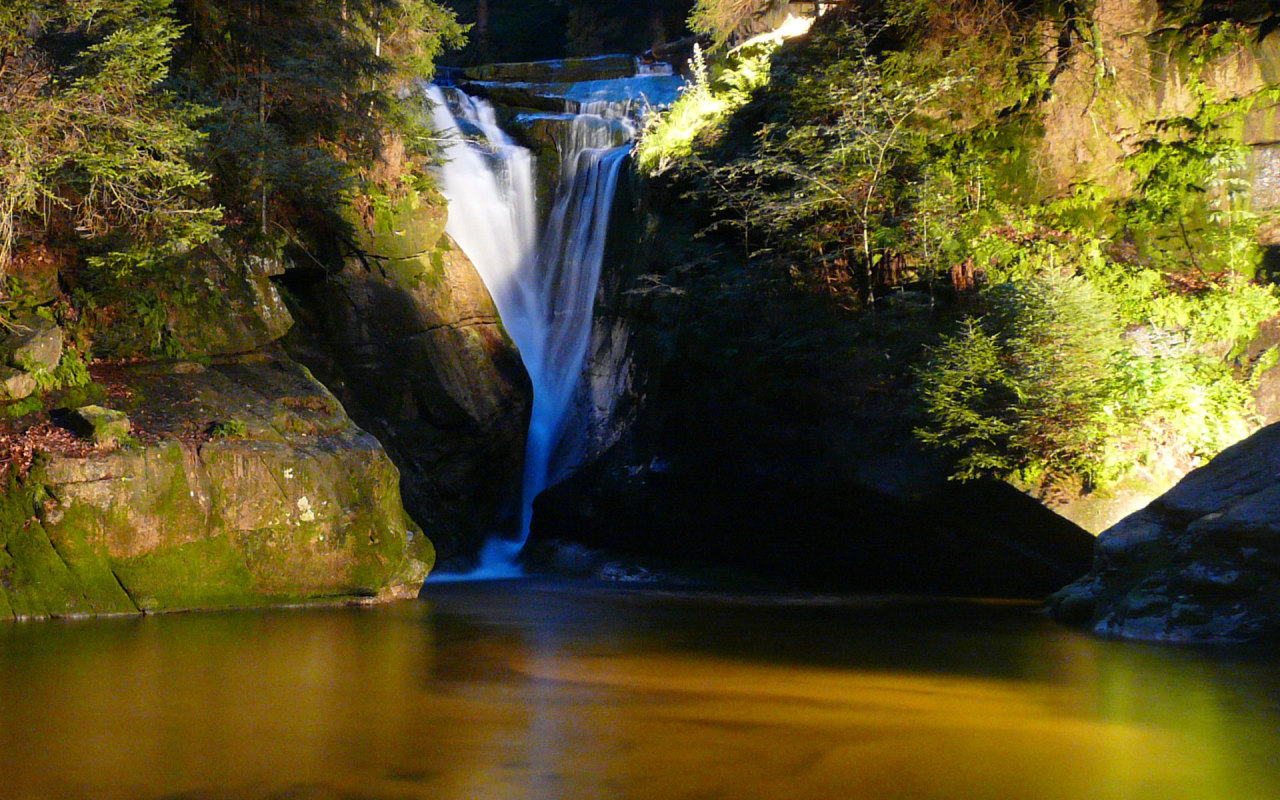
976	540
1199	564
248	486
409	340
209	303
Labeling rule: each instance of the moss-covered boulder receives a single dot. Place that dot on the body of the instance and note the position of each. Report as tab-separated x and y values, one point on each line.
212	302
298	505
33	344
99	425
409	340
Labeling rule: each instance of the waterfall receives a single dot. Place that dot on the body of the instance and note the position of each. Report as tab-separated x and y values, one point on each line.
544	287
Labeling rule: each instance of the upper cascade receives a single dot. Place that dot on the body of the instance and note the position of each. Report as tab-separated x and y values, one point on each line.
616	86
544	284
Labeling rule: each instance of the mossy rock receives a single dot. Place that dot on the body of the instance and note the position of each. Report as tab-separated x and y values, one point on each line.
209	302
409	340
301	511
16	384
34	344
39	578
99	425
404	227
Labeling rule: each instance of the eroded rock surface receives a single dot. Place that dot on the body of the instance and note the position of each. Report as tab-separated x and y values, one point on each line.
409	340
1199	564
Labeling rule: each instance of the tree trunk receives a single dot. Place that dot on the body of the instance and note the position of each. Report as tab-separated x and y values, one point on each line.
482	30
262	118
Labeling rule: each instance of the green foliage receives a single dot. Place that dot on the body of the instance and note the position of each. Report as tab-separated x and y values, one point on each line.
71	373
831	179
87	136
669	138
229	429
307	98
898	145
1124	368
21	408
1026	393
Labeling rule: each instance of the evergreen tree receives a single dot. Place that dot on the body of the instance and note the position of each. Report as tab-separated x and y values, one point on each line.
88	140
306	95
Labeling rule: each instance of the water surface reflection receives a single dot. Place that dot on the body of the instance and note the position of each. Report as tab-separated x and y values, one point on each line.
527	690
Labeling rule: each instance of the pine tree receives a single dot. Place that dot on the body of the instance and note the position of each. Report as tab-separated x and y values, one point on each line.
305	92
88	139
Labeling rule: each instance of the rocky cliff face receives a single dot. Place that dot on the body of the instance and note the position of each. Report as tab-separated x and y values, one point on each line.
409	340
245	483
1200	564
732	422
1140	74
232	476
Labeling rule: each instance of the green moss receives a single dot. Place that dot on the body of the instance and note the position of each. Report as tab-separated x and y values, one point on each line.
21	408
406	227
89	564
208	573
33	577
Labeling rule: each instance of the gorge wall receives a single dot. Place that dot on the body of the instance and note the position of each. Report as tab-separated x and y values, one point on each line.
759	424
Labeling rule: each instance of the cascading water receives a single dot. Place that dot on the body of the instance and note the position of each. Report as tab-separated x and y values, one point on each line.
544	287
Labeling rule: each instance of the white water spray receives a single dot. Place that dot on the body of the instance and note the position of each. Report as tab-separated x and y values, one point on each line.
544	293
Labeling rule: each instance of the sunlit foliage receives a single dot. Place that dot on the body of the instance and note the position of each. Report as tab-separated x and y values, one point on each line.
705	103
895	151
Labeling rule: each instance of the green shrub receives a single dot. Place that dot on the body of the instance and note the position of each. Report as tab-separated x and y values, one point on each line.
1026	391
229	429
669	137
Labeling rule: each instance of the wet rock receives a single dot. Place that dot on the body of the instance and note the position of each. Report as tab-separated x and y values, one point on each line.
1199	564
560	71
99	425
33	344
544	97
